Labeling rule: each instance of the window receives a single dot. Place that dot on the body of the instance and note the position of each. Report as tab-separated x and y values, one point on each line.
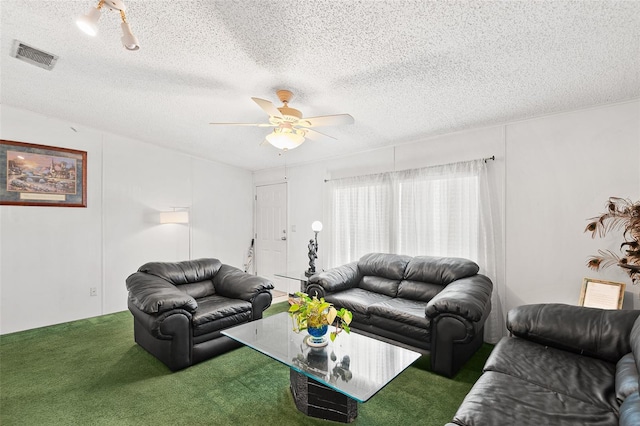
432	211
449	210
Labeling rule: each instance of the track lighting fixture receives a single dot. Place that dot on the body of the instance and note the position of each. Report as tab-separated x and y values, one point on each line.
89	22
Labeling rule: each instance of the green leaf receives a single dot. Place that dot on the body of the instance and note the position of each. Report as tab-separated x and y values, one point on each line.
347	317
294	308
333	335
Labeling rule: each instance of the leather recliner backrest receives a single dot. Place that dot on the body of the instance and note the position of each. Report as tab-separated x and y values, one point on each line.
186	272
426	276
382	272
439	270
383	265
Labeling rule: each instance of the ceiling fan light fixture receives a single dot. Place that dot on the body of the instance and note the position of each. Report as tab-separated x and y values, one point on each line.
290	130
89	23
285	139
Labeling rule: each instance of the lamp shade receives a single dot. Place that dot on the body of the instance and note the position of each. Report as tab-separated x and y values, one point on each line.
285	139
174	217
316	226
89	22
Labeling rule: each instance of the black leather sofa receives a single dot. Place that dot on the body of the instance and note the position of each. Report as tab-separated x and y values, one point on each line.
562	365
180	308
436	304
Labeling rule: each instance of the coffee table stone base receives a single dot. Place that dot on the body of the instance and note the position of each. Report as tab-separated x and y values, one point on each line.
317	400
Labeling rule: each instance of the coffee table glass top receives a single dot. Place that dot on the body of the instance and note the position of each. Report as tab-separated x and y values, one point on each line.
293	275
355	365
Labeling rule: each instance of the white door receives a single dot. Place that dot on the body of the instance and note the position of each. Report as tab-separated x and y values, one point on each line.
271	233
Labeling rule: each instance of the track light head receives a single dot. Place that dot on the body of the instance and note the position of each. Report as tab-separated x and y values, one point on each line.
89	22
129	41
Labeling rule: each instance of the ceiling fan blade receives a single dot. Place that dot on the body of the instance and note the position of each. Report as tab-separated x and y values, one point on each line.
315	135
326	120
245	124
268	107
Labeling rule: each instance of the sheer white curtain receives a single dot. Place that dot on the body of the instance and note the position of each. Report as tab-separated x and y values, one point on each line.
448	210
360	214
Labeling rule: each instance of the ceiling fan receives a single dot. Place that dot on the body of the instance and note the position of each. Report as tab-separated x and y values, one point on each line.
290	128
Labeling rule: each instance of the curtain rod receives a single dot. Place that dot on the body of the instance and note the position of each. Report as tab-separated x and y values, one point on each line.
493	157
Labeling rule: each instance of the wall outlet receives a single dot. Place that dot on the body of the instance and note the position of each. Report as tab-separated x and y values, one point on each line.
93	291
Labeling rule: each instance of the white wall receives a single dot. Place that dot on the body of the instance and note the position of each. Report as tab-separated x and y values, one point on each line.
51	256
560	172
552	174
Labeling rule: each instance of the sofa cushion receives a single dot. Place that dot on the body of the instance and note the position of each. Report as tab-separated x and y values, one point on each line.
402	316
189	271
216	312
357	300
199	289
380	285
626	377
403	311
501	399
583	378
439	270
390	266
418	290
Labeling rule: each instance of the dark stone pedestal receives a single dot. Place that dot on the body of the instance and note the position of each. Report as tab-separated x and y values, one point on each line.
317	400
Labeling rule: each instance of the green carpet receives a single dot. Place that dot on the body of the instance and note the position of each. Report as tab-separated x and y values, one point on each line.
90	372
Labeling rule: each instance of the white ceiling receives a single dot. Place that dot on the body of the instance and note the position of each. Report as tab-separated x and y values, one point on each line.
405	70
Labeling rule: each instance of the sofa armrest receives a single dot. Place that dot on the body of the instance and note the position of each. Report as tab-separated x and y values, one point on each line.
337	279
233	283
466	297
153	295
164	326
594	332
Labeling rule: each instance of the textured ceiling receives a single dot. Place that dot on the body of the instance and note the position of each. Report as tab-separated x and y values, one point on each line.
404	70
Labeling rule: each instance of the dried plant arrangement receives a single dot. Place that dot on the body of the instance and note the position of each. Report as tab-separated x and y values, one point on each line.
621	215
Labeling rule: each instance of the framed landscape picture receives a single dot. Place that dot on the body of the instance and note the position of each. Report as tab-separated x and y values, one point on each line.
40	175
601	294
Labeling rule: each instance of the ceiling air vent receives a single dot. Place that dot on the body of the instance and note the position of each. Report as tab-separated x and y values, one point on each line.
33	56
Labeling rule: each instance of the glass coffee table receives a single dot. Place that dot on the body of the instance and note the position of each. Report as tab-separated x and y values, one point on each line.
326	382
297	276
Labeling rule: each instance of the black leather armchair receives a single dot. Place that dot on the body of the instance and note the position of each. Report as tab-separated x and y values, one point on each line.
180	308
436	304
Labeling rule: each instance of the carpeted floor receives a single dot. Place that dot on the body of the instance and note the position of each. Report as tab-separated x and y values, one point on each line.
91	372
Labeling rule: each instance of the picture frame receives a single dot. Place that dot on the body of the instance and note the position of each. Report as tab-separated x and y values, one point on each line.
601	294
42	175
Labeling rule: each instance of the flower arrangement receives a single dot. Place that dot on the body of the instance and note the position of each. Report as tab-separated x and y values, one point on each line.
621	214
311	312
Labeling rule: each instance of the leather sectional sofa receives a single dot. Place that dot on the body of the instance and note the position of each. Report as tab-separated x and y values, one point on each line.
180	308
436	304
562	365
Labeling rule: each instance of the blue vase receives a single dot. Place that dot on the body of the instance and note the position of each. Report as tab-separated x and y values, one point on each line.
317	334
